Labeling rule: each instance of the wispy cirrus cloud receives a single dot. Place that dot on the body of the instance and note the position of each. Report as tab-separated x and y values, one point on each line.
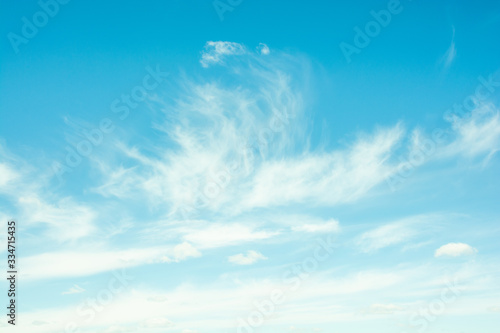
82	262
477	135
259	157
325	178
215	52
450	53
394	233
27	189
56	216
209	150
231	165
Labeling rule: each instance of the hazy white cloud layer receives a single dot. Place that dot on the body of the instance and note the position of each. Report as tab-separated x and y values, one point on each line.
237	180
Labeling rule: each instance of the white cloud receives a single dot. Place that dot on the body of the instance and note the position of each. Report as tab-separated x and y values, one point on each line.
207	132
12	171
324	179
210	160
159	322
218	235
119	184
393	233
263	49
157	298
119	329
214	306
7	175
185	250
455	250
251	257
215	52
35	203
204	234
230	150
76	289
84	262
451	52
65	219
383	309
478	133
182	252
329	226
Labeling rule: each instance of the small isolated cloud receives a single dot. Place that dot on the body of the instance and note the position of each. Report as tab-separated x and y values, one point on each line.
263	49
215	52
40	322
330	226
185	250
157	323
250	258
76	289
455	250
181	252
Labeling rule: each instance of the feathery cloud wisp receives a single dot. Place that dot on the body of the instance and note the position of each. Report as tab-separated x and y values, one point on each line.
215	52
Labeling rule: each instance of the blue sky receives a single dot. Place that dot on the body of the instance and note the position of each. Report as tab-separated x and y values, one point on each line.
226	166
